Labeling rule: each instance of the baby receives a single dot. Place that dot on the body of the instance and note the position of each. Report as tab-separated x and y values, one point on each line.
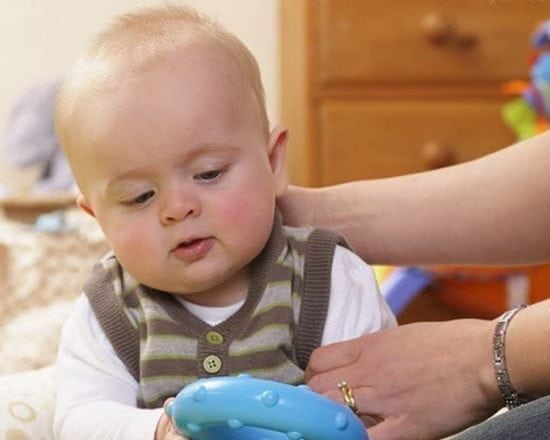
164	125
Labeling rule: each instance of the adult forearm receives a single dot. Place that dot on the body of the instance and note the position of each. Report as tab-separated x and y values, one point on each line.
493	210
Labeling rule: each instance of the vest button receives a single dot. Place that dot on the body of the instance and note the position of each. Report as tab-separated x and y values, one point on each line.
212	364
214	338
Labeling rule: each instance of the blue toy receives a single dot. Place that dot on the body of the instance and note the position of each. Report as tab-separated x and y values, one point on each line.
239	408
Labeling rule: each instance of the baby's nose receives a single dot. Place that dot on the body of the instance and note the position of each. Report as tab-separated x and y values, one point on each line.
179	207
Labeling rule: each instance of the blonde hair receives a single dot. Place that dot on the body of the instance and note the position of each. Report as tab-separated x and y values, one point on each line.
136	40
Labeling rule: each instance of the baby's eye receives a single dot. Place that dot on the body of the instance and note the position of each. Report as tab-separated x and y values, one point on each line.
209	175
142	198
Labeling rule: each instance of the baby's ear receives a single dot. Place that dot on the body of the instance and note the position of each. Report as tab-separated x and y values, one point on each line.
278	140
85	205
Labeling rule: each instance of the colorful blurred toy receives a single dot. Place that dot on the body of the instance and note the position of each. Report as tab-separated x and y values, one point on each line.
529	114
247	408
482	292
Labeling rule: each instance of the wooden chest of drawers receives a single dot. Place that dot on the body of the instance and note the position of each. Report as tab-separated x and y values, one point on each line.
373	88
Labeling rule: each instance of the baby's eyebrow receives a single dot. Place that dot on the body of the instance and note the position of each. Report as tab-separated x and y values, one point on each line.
206	149
118	187
124	181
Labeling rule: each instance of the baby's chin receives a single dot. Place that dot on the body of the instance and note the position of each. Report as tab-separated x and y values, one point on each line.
207	294
215	288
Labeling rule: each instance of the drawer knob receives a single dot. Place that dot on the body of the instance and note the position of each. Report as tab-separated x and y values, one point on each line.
440	30
437	155
437	28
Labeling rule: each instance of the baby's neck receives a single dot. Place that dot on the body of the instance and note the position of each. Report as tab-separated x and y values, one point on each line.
228	293
211	315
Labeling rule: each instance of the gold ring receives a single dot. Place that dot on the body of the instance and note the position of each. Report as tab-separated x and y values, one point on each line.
347	394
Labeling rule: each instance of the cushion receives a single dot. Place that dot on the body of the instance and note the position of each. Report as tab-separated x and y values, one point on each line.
41	274
27	404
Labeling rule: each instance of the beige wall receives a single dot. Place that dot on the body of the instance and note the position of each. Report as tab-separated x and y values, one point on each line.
39	39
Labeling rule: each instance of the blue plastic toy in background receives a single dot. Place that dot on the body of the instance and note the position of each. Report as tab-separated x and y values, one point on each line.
247	408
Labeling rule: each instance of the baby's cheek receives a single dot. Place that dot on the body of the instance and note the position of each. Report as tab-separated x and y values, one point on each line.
233	209
128	242
247	211
127	237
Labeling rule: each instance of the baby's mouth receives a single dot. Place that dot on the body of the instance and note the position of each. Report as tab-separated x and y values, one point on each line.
189	243
194	249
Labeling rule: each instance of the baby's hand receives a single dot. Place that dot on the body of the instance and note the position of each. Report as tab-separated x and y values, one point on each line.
165	429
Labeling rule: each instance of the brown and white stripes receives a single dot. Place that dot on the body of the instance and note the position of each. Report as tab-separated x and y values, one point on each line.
271	336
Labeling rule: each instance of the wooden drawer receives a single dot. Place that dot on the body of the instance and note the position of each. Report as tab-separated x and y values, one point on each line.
387	41
371	139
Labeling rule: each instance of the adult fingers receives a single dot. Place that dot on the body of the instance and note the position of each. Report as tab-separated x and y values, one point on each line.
330	357
367	401
389	429
339	363
364	396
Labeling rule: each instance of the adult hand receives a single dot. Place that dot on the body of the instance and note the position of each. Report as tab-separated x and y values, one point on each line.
422	380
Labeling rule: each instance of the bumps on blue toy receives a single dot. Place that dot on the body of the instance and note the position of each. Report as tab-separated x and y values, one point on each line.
243	407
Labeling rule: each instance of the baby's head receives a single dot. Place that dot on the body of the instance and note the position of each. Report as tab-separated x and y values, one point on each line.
136	47
164	124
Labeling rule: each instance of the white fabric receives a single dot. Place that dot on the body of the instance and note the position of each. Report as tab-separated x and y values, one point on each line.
97	395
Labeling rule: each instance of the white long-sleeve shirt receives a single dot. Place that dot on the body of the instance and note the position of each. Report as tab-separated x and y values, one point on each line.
96	397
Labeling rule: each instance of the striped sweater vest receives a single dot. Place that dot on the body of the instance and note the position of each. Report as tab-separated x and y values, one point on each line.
271	336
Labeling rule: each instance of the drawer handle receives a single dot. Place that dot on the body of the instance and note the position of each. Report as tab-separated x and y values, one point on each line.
437	155
440	30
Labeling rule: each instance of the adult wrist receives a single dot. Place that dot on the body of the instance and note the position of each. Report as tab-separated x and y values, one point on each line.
511	397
